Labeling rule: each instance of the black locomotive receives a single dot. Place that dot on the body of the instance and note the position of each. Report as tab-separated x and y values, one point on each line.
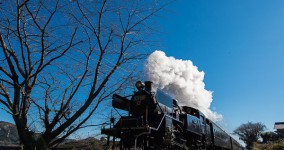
156	121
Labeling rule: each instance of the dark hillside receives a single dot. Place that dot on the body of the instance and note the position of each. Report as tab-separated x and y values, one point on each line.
8	134
9	140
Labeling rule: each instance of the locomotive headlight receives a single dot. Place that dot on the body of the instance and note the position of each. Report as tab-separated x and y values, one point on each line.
139	85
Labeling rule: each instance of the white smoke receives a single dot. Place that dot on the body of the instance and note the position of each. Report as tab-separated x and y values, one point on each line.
182	80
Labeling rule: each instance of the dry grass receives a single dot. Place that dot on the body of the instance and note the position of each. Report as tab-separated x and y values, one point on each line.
279	145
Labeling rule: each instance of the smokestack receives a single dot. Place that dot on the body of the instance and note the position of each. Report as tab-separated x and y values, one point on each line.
148	86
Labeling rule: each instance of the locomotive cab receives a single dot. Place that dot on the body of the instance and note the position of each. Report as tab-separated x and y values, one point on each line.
193	123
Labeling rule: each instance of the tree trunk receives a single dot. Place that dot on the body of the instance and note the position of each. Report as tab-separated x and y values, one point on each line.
26	137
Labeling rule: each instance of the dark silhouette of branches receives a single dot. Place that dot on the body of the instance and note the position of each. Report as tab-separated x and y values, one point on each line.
61	59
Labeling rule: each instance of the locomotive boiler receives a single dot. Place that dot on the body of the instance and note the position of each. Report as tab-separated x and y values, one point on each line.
157	121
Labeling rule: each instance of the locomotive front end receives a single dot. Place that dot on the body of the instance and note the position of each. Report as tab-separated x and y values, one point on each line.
129	128
142	102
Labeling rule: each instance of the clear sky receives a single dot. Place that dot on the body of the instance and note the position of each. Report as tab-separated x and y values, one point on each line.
240	47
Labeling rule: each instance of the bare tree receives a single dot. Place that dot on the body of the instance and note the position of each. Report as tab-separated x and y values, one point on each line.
250	132
61	59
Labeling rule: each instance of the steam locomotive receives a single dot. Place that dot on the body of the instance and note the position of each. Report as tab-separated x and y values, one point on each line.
156	121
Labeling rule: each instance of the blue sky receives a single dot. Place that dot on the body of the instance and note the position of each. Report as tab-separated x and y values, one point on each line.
240	47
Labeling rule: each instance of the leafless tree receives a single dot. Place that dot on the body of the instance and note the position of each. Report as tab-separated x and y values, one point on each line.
61	59
250	133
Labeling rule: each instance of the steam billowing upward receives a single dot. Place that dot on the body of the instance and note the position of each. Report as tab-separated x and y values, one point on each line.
182	80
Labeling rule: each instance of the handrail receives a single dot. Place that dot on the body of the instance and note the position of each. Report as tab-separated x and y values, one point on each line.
165	115
156	129
135	142
151	128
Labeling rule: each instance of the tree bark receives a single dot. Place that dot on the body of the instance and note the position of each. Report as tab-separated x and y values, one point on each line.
28	139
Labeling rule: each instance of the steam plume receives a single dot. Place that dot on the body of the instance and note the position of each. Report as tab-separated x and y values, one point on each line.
182	80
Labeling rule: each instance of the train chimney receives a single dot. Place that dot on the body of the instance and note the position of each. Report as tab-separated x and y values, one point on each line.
148	86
